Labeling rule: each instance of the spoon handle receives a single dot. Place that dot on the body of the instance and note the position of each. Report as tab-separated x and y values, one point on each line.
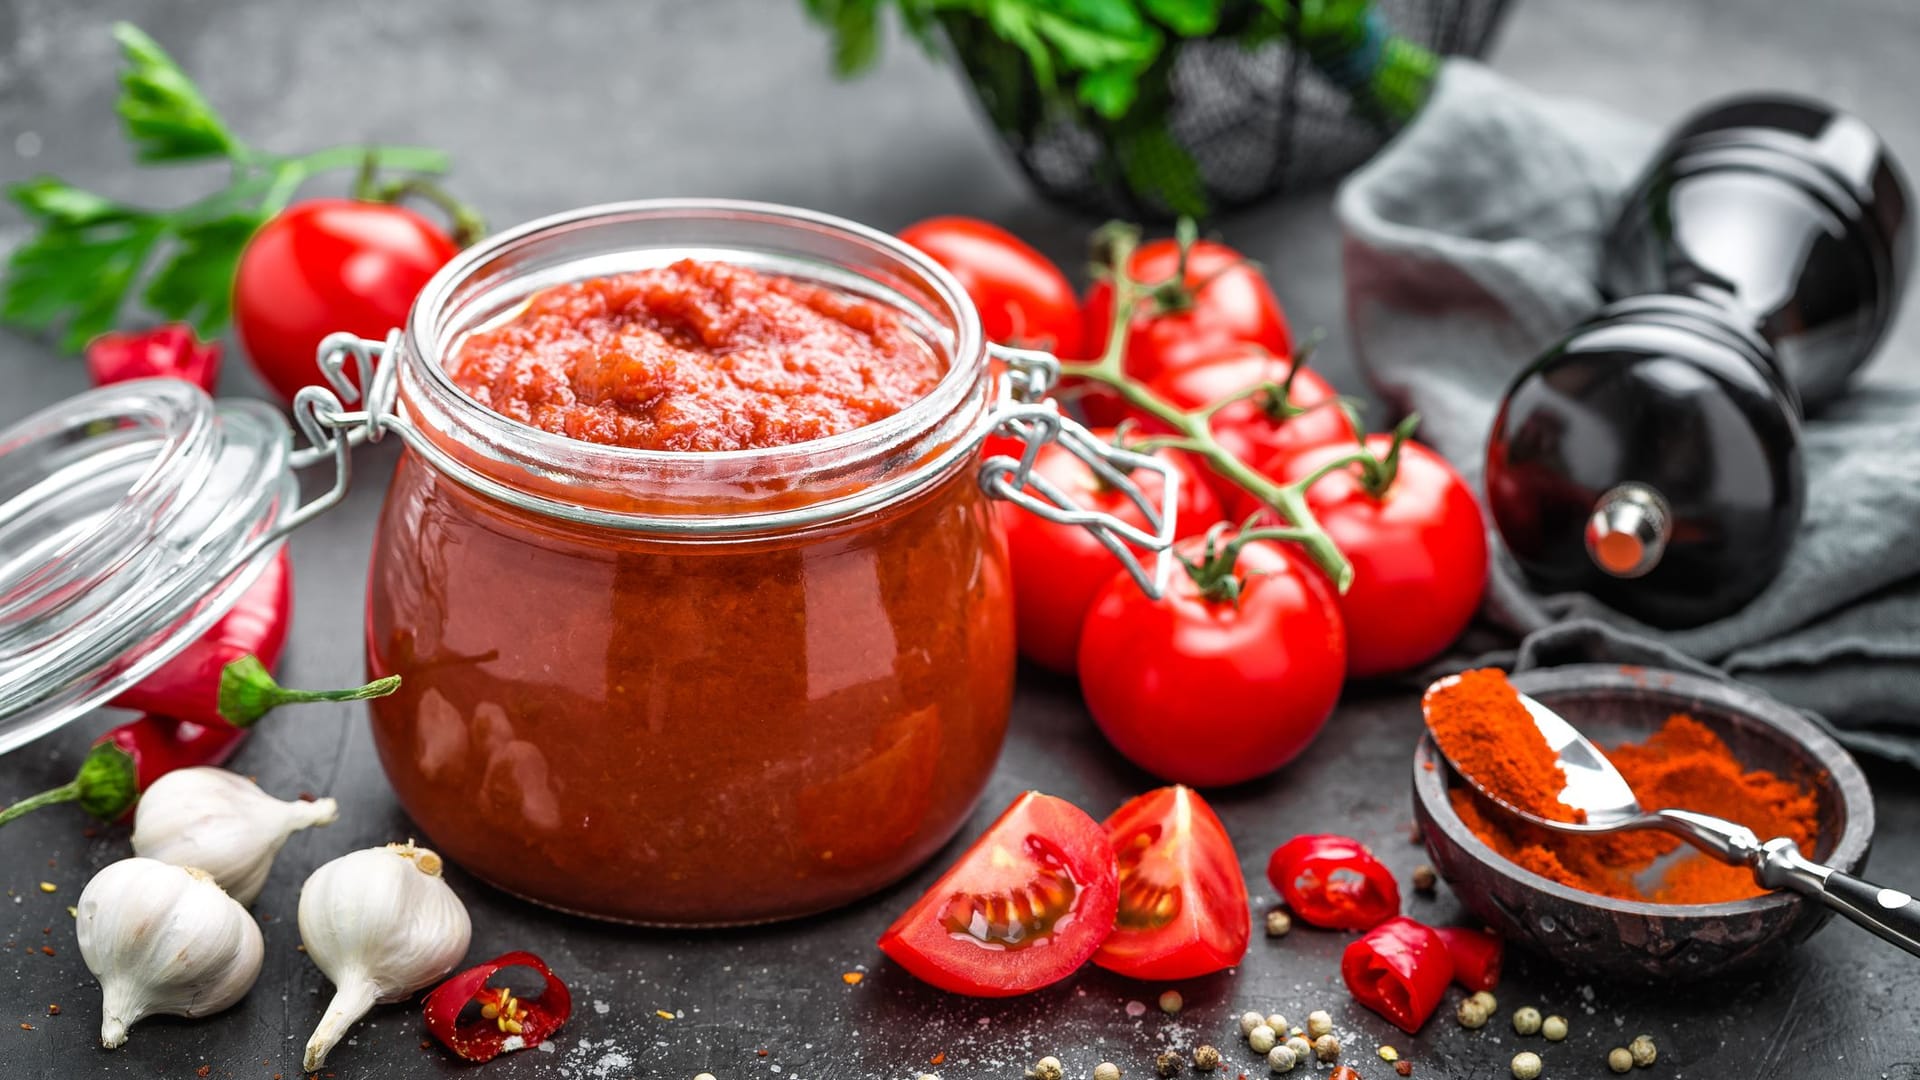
1777	864
1888	913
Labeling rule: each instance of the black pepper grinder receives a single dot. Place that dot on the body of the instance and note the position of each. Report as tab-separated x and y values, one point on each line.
1652	457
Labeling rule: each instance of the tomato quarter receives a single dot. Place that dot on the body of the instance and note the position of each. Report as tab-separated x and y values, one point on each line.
1207	689
327	265
1027	904
1023	298
1059	569
1183	902
1419	552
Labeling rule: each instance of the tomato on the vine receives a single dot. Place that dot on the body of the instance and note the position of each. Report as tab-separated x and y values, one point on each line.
1189	312
1227	677
1058	569
327	265
1261	427
1183	902
1026	905
1023	298
1417	544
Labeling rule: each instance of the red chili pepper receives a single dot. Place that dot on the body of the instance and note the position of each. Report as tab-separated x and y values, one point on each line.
1333	882
1344	1072
1399	969
165	350
124	761
501	1018
1476	956
224	676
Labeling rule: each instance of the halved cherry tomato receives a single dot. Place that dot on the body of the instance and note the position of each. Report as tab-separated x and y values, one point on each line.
1399	969
327	265
1027	904
1334	882
1212	689
1476	956
1220	299
1419	552
1023	298
1183	901
1059	569
1260	428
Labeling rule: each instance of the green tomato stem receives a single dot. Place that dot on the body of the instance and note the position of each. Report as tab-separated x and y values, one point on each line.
248	691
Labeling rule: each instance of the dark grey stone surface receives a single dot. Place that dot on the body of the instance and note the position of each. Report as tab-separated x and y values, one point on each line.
556	105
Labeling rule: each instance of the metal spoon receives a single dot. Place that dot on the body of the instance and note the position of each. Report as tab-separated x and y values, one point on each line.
1595	786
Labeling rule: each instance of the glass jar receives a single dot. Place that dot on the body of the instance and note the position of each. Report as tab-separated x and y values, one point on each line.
647	686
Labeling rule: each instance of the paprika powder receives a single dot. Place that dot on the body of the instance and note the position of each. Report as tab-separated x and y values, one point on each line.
1683	765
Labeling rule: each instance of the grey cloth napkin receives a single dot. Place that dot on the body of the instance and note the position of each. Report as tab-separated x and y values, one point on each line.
1471	243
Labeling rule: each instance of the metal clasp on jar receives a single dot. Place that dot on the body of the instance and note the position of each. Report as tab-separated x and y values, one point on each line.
1027	413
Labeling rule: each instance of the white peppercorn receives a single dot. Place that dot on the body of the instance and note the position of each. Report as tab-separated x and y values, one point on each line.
1277	1022
1047	1068
1620	1059
1262	1038
1327	1048
1302	1049
1526	1020
1526	1065
1282	1059
1249	1021
1106	1070
1554	1028
1171	1002
1279	923
1318	1023
1643	1050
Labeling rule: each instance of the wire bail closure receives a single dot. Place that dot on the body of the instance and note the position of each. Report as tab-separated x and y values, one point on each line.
1029	415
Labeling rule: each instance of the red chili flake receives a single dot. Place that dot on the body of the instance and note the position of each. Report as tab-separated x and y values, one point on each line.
54	1010
503	1017
26	1027
204	1070
1403	1067
938	1059
852	978
48	949
760	1053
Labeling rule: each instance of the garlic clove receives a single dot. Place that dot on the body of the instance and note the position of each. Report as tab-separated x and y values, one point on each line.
163	939
381	923
222	823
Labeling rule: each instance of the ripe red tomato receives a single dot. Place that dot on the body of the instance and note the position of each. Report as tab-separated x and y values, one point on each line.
1221	299
1249	429
1209	691
327	265
1058	569
1023	298
1183	902
1026	905
1419	553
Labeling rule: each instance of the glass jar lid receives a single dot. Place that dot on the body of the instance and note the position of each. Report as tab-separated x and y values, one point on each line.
131	518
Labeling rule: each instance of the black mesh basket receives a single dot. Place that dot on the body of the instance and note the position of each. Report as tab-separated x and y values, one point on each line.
1222	122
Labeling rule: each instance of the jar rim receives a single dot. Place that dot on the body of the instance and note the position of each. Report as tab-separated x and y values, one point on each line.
965	355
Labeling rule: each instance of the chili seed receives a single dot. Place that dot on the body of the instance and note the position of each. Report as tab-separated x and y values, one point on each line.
1526	1065
1471	1014
1318	1023
1171	1002
1554	1028
48	886
1526	1020
1282	1059
1169	1063
1620	1059
1106	1070
1277	1022
1249	1021
1262	1038
1326	1048
1643	1050
1279	923
1388	1053
1206	1058
1403	1067
1424	878
1047	1068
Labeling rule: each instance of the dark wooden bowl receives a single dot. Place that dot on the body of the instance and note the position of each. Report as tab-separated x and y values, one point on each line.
1632	939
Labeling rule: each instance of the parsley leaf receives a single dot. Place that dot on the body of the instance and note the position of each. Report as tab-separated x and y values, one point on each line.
195	284
162	110
79	267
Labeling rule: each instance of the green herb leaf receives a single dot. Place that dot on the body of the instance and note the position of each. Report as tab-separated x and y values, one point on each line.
80	273
1186	18
1157	166
162	110
855	26
1110	91
51	200
195	284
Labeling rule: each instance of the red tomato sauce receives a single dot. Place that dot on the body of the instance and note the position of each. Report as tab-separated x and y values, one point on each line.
697	356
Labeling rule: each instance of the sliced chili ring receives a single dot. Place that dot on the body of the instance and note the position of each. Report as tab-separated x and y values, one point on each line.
503	1021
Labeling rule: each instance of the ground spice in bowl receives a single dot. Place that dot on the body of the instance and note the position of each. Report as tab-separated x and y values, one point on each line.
1682	765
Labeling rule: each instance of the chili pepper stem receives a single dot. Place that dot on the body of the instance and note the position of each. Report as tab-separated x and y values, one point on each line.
105	786
248	691
1195	430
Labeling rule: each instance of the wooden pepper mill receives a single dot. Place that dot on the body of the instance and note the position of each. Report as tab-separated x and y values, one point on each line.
1652	457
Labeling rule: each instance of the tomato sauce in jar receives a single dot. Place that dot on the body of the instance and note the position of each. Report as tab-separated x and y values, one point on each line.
697	601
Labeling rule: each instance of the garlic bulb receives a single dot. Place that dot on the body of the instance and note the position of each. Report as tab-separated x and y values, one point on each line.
381	923
222	823
163	939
